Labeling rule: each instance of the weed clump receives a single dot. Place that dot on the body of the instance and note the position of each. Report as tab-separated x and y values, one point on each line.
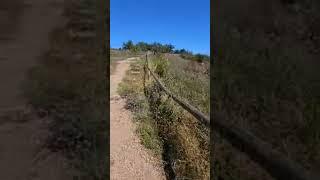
160	65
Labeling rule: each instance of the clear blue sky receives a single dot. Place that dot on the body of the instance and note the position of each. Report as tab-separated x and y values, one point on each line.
182	23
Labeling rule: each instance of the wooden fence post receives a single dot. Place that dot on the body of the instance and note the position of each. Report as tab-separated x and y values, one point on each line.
147	64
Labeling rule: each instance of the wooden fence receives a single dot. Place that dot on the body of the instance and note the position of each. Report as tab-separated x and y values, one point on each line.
192	110
278	165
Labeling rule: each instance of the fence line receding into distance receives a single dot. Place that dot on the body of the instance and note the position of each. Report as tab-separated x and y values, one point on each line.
192	110
278	165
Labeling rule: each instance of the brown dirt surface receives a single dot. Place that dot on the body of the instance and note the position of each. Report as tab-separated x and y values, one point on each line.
128	158
24	37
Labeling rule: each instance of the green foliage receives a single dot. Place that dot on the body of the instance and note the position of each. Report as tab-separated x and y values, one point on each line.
148	133
158	48
128	45
142	46
196	57
200	57
180	51
160	65
169	48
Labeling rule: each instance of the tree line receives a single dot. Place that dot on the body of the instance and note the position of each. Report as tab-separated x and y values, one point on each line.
157	47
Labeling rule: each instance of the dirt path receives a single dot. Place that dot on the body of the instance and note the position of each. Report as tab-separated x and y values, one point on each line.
25	37
129	159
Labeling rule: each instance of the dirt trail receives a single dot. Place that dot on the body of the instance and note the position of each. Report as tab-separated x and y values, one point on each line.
25	37
129	159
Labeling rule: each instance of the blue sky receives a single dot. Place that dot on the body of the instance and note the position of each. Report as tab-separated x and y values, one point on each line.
183	23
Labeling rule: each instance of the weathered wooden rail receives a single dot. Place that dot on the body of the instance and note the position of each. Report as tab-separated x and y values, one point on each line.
279	166
192	110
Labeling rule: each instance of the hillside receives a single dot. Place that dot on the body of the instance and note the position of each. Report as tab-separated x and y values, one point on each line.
170	132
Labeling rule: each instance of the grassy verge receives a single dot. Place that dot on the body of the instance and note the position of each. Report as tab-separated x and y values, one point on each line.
132	89
70	84
166	128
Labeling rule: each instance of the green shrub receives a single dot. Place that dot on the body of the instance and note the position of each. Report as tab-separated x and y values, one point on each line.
160	65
